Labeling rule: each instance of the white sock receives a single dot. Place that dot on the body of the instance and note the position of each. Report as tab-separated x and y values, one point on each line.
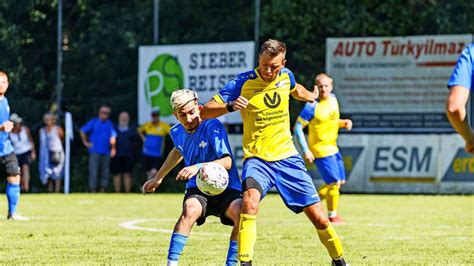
172	263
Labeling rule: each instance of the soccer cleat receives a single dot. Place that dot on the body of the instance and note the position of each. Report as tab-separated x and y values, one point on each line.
336	220
339	262
14	216
246	263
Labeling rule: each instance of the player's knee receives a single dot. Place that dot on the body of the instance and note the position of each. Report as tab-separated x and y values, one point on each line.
251	200
191	212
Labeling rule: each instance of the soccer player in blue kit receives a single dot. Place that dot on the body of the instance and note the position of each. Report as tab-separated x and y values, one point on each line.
460	85
8	158
198	142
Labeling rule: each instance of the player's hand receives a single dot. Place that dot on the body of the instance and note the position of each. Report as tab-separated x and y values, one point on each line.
309	157
348	124
316	93
187	172
33	155
240	103
151	185
7	126
470	145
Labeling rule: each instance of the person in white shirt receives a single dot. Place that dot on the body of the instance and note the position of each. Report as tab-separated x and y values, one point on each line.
24	149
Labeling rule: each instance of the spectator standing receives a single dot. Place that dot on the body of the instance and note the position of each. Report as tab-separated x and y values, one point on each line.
99	136
121	165
51	161
24	149
153	135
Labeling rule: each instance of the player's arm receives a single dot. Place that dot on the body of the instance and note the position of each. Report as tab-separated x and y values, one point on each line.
456	112
345	123
298	131
61	133
227	100
141	133
173	159
300	93
214	109
189	171
30	138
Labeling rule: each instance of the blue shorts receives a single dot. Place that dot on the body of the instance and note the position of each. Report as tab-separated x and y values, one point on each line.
331	168
289	176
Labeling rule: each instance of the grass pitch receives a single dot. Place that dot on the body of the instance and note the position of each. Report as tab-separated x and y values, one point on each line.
135	229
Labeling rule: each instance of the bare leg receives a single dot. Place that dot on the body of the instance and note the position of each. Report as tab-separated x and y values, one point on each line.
127	181
57	185
117	183
25	177
192	210
233	213
50	185
327	234
316	215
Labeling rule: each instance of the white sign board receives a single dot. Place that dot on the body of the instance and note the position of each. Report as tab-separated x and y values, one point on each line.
394	83
204	68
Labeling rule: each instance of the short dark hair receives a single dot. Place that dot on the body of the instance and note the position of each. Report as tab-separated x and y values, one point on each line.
273	47
3	73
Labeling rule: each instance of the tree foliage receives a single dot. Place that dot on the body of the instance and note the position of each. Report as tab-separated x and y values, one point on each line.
101	40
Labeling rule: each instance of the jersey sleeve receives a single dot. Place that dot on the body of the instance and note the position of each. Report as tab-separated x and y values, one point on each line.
142	128
173	136
231	90
462	74
306	114
219	140
291	77
88	127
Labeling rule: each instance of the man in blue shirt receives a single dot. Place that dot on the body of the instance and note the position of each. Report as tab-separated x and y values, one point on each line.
8	158
198	142
98	135
460	85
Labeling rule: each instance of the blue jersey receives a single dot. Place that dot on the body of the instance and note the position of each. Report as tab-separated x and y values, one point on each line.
463	73
207	143
99	133
6	146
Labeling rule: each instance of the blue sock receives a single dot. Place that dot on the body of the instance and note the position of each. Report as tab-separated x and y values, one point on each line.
177	244
232	254
13	195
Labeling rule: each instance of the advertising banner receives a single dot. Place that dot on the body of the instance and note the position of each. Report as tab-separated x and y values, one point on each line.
429	164
204	68
394	84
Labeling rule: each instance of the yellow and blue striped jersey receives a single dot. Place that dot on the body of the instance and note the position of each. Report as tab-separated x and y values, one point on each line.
322	118
266	119
154	138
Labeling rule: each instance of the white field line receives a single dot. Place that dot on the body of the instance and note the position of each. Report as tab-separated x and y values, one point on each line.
133	225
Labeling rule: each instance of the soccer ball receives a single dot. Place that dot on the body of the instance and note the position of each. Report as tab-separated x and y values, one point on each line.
212	179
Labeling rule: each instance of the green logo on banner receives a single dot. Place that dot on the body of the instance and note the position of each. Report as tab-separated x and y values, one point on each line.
164	75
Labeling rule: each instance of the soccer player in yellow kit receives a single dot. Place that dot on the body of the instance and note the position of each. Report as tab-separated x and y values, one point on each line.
322	119
271	159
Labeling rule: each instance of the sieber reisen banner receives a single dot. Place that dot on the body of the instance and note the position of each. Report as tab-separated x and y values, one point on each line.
204	68
394	84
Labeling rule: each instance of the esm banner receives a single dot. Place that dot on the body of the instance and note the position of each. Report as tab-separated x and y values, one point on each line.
204	68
